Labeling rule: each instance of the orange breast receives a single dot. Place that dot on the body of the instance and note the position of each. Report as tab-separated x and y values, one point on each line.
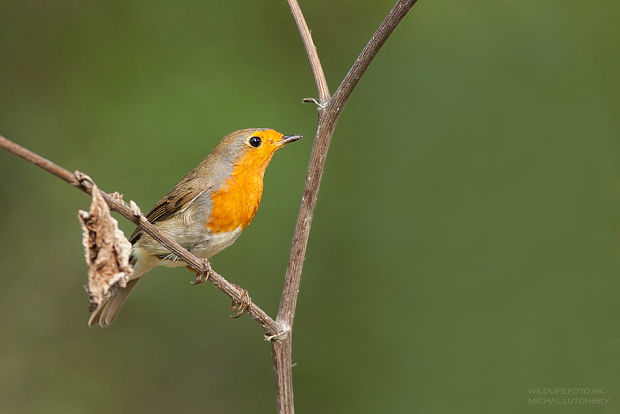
236	202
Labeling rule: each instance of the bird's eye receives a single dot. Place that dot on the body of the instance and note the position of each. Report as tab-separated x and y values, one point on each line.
255	142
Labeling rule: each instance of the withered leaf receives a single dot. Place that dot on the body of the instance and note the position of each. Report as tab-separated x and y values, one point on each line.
107	251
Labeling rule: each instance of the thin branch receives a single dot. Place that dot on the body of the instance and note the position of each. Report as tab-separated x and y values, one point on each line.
328	117
329	112
313	57
385	29
131	214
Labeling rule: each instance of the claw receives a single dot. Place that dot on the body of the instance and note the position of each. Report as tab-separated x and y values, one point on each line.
201	277
241	307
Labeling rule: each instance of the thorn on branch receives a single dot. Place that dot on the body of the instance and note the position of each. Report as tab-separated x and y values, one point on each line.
278	336
314	101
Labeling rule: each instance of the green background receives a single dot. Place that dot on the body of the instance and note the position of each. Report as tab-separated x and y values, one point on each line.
465	246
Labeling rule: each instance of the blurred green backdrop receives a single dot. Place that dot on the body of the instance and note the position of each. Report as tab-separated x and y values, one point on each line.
465	246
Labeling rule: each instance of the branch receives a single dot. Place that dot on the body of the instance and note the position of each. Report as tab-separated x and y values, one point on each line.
329	112
328	117
385	29
133	215
313	57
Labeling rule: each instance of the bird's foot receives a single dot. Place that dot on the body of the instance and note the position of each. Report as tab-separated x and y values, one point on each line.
201	276
241	307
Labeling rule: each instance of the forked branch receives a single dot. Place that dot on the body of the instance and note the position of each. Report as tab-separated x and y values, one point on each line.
329	111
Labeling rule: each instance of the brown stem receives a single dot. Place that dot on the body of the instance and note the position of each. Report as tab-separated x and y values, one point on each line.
270	326
329	112
313	57
385	29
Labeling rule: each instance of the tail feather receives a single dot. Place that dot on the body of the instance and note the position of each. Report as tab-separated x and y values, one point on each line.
105	313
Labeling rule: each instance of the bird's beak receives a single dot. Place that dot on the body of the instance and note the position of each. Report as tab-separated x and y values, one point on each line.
288	138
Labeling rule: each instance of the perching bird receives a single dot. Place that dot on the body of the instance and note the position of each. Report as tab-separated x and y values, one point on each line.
206	211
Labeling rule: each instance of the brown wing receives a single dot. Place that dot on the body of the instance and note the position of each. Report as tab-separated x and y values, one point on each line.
177	199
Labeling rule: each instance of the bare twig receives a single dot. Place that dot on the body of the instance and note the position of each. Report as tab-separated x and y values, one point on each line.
385	29
329	112
132	214
313	57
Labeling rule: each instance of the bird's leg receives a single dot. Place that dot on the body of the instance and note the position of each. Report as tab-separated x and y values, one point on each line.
241	307
201	277
238	307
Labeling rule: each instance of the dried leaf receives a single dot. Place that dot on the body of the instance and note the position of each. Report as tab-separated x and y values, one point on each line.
107	251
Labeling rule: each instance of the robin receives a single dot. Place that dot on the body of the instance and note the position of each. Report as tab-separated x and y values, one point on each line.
206	211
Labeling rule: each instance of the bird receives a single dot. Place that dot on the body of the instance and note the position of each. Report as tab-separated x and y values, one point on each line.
205	212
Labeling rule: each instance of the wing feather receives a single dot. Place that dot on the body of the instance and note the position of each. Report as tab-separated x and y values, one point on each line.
175	201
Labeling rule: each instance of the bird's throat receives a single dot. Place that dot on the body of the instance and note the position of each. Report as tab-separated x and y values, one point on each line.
235	203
